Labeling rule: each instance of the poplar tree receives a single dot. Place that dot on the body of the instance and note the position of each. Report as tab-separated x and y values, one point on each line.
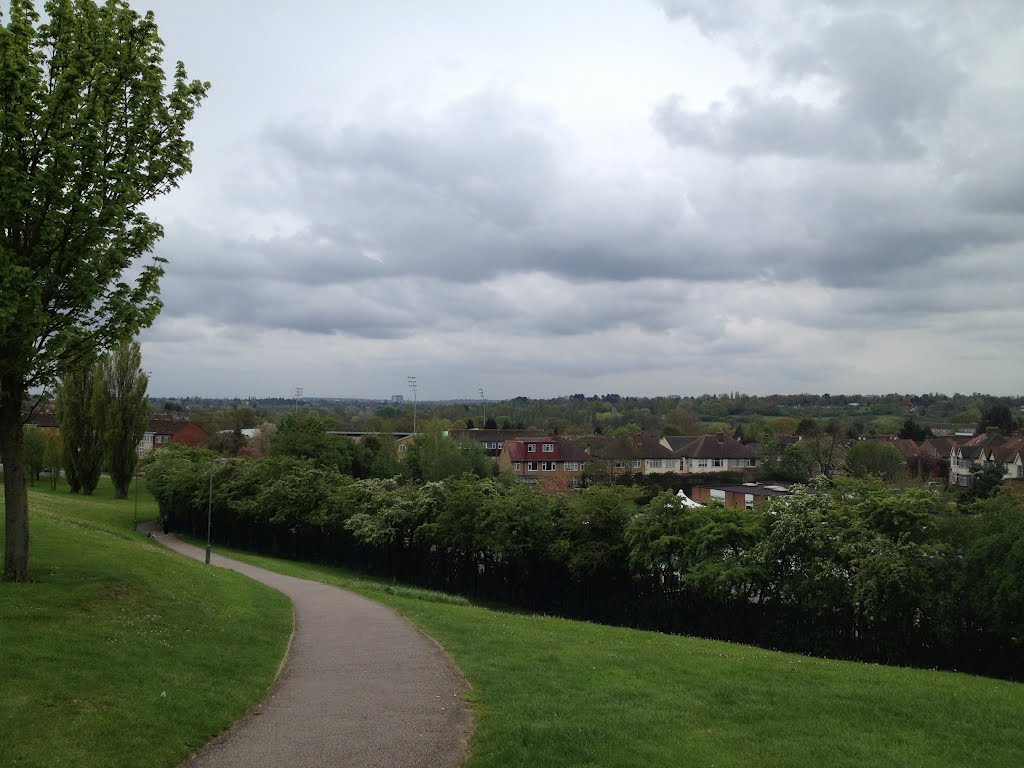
122	409
89	134
78	404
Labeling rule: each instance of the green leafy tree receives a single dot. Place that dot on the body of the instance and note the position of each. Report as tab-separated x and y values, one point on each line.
78	396
54	456
999	417
795	465
35	452
122	411
913	431
88	137
871	458
433	456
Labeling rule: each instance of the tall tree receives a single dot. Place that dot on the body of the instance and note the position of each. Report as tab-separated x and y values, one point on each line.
88	136
79	400
122	411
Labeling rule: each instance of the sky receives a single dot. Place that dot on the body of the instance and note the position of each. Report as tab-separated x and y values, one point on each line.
647	197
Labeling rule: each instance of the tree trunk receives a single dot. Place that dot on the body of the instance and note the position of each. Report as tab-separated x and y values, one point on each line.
12	443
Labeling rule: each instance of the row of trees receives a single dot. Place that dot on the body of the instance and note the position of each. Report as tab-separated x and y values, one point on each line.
855	569
102	410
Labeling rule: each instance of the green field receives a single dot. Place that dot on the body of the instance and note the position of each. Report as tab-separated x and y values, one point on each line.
121	653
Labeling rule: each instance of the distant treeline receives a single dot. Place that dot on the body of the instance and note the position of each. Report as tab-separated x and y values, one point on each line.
852	570
743	415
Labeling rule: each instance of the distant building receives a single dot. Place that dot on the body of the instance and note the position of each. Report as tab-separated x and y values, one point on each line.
743	496
398	399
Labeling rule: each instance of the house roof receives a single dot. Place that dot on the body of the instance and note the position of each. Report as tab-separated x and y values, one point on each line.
494	435
938	446
716	446
908	448
1008	451
564	450
976	446
675	442
45	419
638	446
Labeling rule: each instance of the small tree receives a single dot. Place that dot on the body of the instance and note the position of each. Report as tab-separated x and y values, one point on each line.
35	452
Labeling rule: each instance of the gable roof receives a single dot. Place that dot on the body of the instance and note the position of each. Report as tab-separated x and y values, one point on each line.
494	435
908	448
638	446
564	450
716	446
675	442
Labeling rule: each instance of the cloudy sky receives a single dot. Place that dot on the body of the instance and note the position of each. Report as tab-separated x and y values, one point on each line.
593	196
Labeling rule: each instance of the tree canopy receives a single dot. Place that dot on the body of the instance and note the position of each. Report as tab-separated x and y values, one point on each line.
89	134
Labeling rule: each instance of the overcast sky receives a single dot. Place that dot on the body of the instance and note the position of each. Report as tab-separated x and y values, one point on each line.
640	197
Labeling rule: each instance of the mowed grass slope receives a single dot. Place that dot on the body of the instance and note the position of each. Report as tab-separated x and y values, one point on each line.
121	653
552	692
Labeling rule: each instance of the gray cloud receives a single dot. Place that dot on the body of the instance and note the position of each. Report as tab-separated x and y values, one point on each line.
886	84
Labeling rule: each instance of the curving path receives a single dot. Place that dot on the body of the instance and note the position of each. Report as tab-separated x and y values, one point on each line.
360	687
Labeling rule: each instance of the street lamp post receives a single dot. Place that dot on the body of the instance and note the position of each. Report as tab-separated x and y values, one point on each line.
209	509
135	517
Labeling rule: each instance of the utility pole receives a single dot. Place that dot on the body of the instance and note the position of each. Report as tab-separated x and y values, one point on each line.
298	396
412	386
484	401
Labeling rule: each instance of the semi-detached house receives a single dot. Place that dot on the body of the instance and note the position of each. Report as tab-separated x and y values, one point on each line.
552	462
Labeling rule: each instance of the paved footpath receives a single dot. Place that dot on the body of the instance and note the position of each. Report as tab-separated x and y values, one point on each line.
360	687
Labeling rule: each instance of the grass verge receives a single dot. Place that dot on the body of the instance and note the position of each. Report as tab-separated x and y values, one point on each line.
553	692
121	653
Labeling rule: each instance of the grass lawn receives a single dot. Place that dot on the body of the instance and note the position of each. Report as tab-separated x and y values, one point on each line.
552	692
120	653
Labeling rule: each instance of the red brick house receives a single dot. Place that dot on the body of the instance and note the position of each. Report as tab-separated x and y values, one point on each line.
161	430
555	463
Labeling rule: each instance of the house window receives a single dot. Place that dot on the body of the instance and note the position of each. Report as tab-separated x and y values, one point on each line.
572	466
718	462
619	464
702	462
655	463
636	463
717	494
531	466
548	447
548	466
518	465
501	446
531	447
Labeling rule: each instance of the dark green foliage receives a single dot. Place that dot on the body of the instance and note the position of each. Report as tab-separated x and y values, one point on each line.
998	417
794	465
849	567
913	431
35	452
433	456
986	483
122	411
872	458
79	402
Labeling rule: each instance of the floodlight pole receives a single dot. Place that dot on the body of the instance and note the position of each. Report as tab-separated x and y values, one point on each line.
412	386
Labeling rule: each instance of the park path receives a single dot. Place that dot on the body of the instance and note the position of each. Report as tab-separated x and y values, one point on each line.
360	687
